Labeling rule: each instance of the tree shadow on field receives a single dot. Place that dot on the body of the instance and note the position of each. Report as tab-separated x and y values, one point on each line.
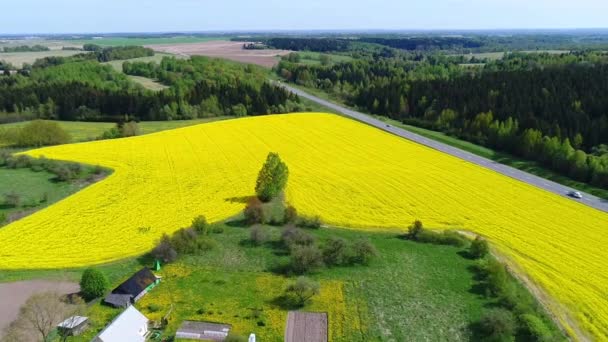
285	302
238	199
479	288
237	223
465	254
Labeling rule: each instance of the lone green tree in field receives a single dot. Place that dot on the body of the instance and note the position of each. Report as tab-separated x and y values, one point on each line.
272	178
93	283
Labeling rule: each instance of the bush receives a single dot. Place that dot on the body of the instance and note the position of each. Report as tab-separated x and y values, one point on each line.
290	214
479	248
2	218
272	178
335	252
292	236
164	251
154	307
415	229
441	238
310	222
217	229
254	212
40	133
305	259
497	325
129	129
535	328
187	241
258	235
363	252
12	199
93	284
200	225
302	290
496	276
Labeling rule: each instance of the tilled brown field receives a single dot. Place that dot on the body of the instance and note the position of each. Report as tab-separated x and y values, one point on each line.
14	295
224	49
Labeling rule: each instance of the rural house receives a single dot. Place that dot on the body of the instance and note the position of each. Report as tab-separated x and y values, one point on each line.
73	326
203	331
132	289
306	327
130	326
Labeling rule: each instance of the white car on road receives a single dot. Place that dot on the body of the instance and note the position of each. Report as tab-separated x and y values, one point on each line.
575	194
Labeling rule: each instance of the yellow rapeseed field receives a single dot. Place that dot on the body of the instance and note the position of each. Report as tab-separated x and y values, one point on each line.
348	173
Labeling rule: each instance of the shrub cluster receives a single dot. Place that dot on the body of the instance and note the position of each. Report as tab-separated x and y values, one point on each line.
122	130
417	232
517	314
35	134
307	256
63	171
192	240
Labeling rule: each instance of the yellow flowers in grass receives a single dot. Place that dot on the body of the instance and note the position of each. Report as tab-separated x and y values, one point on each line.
348	173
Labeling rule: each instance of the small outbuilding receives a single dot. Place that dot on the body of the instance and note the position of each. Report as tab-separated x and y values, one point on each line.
130	326
306	327
132	289
203	331
73	326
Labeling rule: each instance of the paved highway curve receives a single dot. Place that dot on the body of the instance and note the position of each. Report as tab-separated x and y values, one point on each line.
562	190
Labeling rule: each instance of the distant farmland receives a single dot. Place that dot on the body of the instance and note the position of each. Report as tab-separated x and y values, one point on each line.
123	41
224	49
19	58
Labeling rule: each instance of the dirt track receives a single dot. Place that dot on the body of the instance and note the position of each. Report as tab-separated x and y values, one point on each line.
223	49
13	296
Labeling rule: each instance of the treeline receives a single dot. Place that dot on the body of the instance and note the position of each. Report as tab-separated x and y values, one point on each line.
300	44
78	88
118	52
469	42
425	43
25	48
548	108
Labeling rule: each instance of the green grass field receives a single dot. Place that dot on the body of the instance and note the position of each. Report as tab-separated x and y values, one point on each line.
17	59
33	188
123	41
158	56
144	81
84	131
313	58
411	292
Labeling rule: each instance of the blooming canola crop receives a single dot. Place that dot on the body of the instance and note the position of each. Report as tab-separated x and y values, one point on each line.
348	173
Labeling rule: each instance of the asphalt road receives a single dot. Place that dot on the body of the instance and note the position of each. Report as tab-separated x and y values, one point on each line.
562	190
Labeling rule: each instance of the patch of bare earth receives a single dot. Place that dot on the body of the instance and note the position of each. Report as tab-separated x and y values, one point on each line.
224	49
14	295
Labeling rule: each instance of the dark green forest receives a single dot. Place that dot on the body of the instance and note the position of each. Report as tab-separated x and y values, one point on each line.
80	88
549	108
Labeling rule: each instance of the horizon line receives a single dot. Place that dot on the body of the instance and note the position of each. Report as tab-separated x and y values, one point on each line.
345	30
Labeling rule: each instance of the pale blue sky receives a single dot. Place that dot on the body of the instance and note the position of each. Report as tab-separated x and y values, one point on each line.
67	16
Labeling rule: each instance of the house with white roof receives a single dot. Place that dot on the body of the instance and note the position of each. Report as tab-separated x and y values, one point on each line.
130	326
